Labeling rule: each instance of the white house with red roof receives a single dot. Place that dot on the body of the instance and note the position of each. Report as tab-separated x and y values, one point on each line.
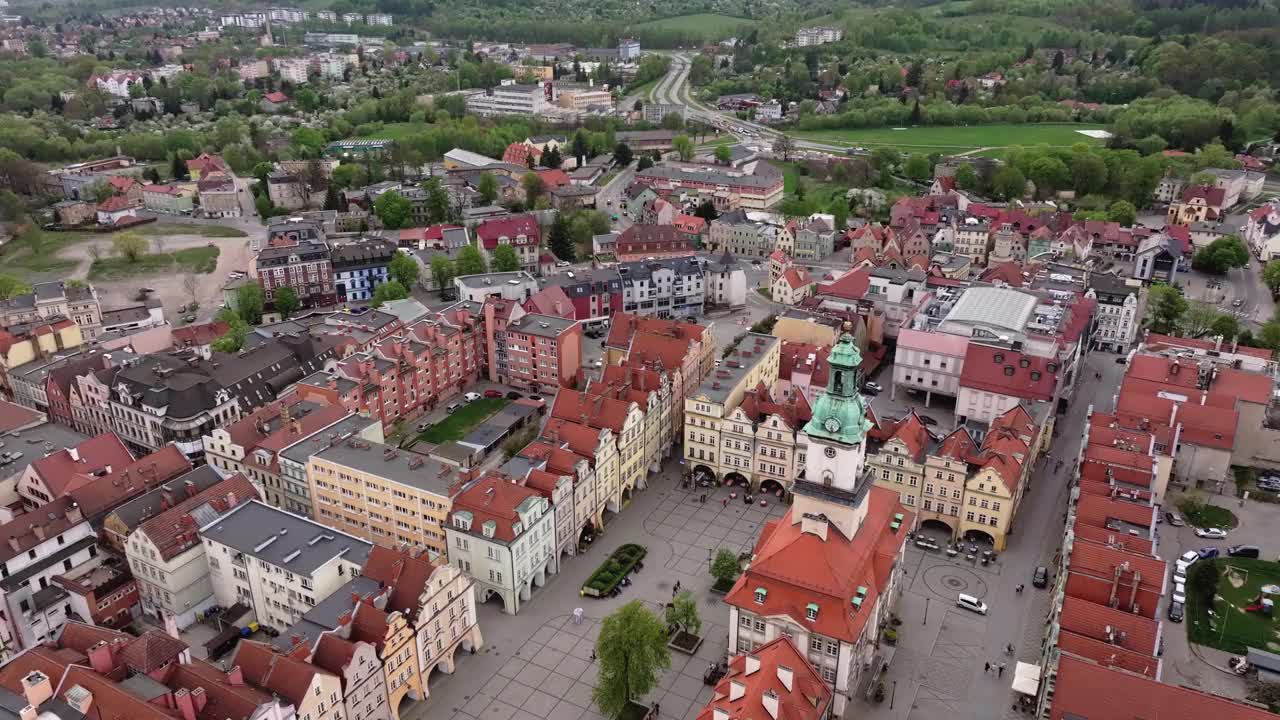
774	681
117	209
519	231
1262	231
828	573
502	535
1197	204
996	379
63	470
793	286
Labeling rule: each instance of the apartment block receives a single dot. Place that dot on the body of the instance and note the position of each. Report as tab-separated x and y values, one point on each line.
276	563
540	353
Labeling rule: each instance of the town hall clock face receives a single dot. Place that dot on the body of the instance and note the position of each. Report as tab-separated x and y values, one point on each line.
832	425
830	452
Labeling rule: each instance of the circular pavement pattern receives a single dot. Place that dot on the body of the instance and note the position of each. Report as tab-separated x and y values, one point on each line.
947	581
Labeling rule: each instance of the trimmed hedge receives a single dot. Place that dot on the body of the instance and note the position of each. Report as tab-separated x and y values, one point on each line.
613	569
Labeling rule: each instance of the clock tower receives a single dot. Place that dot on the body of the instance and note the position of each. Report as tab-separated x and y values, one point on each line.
835	440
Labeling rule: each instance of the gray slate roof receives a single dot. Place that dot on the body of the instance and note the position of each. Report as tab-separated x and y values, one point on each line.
283	539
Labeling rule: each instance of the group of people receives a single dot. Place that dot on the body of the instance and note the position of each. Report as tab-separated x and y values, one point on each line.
998	668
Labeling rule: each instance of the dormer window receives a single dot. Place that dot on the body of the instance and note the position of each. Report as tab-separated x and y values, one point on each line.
998	357
811	611
760	595
489	528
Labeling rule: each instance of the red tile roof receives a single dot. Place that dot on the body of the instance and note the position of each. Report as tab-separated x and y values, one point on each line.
151	651
1008	372
652	240
551	300
796	569
1100	573
276	97
596	411
173	531
1212	196
1107	654
801	696
1087	690
850	286
911	432
1242	386
1157	341
404	573
690	224
116	203
517	153
286	676
1131	632
554	178
205	163
67	468
200	334
796	278
16	417
1097	510
512	228
103	494
492	498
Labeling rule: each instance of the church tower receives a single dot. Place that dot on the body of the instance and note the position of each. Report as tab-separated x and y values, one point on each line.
833	486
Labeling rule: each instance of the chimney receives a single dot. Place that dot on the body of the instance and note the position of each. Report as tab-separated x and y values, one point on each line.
753	664
37	688
14	544
235	676
38	531
79	698
716	714
171	624
100	658
73	513
785	676
190	487
74	453
736	690
200	699
27	713
770	702
186	705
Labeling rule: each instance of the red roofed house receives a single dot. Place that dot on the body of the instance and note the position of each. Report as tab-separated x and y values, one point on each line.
273	102
793	286
64	469
829	572
518	153
774	681
116	209
996	379
204	164
311	690
518	231
643	241
693	227
126	187
493	522
1199	203
554	178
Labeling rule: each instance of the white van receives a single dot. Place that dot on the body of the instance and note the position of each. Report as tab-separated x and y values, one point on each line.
969	602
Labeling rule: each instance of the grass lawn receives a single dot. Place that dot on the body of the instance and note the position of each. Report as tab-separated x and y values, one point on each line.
1232	629
1204	515
707	23
955	138
209	231
190	260
463	420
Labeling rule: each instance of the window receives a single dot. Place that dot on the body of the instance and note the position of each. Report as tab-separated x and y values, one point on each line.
811	611
833	648
760	595
969	516
744	621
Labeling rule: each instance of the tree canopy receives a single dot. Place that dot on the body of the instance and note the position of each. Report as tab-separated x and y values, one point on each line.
632	650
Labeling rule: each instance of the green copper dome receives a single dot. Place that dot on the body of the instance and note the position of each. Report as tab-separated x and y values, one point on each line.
840	413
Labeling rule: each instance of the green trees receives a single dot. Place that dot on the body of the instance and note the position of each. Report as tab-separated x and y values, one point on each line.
286	302
469	261
966	177
1008	183
442	271
1271	276
249	303
1088	173
487	186
129	245
784	146
645	163
622	154
403	269
682	613
439	208
533	188
683	146
393	210
723	154
1049	175
389	290
632	649
10	286
559	239
917	167
505	259
1123	212
725	569
1221	255
233	339
1165	306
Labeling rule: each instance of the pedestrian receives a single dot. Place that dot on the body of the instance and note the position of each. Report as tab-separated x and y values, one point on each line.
724	502
593	655
987	669
1000	670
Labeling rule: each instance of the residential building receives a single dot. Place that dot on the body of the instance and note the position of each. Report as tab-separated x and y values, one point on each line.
1197	204
169	199
313	692
253	70
1262	231
166	555
60	471
518	286
273	102
594	293
360	267
305	267
928	363
218	196
49	300
40	546
840	521
378	19
758	190
807	37
369	490
520	232
102	592
293	70
665	288
624	420
628	49
581	98
736	233
774	680
503	536
996	379
538	353
654	112
276	563
649	241
509	100
1157	259
725	280
1121	304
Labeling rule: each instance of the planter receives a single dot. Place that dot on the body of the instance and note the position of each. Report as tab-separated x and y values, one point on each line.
635	711
682	641
610	573
722	588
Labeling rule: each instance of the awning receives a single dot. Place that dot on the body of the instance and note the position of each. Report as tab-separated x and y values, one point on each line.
1026	678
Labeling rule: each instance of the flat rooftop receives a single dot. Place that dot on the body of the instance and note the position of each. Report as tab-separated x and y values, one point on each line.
283	539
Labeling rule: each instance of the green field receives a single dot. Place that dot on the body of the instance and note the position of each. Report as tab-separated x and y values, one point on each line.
707	23
463	420
954	139
190	260
1232	629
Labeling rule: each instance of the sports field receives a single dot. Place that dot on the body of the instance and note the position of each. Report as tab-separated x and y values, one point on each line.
955	139
707	23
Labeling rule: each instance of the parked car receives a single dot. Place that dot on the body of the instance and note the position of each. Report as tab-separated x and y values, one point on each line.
1040	578
452	407
1208	553
872	387
189	319
536	398
513	395
491	393
422	426
1176	610
1180	592
1122	360
1211	533
971	603
471	396
1246	551
1174	519
1237	303
928	420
